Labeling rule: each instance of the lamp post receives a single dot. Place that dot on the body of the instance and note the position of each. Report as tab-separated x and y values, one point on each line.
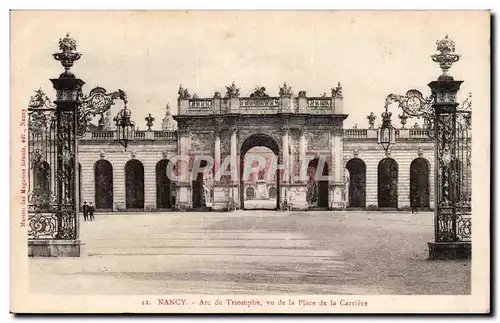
125	128
449	123
386	133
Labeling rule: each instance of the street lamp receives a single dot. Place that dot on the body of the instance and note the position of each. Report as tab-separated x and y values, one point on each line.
125	128
386	134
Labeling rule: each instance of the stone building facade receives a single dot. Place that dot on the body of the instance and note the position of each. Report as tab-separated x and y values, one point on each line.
290	127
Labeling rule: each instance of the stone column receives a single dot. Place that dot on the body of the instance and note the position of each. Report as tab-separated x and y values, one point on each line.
284	164
336	181
184	191
300	187
217	152
286	156
302	154
234	193
338	151
234	155
220	190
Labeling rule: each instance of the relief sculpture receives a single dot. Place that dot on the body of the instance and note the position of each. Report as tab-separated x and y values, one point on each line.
317	141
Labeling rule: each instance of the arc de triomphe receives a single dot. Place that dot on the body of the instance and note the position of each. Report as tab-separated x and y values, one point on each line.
294	127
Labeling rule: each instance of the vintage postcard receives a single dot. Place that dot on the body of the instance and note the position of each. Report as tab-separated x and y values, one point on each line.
250	161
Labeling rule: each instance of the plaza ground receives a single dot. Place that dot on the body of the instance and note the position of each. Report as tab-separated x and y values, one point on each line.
253	252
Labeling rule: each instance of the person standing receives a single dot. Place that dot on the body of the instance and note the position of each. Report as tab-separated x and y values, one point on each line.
414	205
85	209
91	212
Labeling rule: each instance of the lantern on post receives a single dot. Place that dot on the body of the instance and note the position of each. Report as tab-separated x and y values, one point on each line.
386	134
125	128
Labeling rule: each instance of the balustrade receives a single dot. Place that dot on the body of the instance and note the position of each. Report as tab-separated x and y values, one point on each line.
355	133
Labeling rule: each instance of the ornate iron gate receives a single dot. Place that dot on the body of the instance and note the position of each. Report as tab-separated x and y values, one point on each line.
53	131
449	123
453	151
51	176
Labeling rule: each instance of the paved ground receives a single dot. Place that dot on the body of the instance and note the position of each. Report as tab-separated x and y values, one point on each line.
260	204
259	252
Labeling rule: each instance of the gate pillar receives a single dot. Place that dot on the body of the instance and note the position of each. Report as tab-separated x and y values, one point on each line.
452	214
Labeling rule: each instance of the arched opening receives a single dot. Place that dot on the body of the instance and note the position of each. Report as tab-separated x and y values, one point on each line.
164	198
200	189
134	184
103	181
272	192
388	183
260	146
250	193
317	184
357	182
419	183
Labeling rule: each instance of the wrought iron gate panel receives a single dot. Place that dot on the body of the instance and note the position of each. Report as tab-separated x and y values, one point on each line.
453	221
51	176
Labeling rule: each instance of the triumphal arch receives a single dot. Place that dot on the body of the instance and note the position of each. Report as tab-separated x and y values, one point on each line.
295	127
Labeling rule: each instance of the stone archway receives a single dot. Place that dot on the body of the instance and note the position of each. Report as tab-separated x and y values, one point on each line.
163	186
256	140
103	181
419	182
134	184
388	183
292	125
317	187
357	182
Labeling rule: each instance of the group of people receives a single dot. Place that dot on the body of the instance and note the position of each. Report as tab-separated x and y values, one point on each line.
88	212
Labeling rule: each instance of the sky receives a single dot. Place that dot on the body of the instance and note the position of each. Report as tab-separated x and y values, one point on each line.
149	54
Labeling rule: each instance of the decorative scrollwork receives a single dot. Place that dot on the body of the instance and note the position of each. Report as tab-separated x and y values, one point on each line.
413	103
41	101
95	103
39	123
66	223
466	105
42	225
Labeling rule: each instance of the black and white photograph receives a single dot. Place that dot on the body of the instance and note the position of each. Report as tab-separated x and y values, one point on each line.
250	161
